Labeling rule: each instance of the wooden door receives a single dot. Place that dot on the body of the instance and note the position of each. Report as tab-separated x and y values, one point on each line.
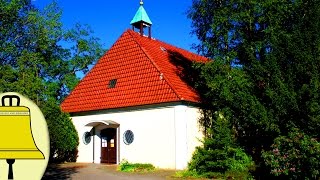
109	146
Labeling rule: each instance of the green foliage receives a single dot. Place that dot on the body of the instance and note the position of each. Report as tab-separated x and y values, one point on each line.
125	166
215	175
34	63
266	74
219	154
32	60
64	138
295	156
187	174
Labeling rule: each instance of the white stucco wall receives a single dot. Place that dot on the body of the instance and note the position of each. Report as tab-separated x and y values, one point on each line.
188	134
194	130
163	136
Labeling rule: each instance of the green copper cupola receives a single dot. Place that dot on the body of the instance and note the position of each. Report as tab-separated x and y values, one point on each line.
141	20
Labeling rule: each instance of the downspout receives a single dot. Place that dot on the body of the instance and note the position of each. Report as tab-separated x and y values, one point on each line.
187	140
94	132
118	144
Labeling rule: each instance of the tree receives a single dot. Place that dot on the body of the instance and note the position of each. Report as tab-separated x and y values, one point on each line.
40	59
219	155
265	72
64	138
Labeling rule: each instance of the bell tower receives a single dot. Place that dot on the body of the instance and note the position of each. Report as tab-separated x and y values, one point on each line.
141	20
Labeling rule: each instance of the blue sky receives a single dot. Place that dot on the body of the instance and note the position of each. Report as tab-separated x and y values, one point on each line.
109	19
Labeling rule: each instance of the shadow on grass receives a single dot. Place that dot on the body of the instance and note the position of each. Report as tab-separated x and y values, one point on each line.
58	171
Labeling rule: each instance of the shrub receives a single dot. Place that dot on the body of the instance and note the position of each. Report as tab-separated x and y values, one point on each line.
219	155
125	166
296	156
64	138
213	163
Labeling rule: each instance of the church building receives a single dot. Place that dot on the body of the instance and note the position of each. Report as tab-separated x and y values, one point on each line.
135	104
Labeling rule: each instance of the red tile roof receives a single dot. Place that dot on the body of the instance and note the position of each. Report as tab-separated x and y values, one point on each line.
145	71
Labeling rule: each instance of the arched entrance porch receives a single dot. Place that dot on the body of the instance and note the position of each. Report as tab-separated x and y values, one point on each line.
105	141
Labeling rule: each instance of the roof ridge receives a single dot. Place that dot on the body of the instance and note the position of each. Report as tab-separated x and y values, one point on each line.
187	51
157	67
177	47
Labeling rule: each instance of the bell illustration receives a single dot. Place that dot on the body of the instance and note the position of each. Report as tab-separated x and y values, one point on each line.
16	139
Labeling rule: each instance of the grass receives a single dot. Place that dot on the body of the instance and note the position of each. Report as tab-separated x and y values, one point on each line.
150	170
213	175
125	166
187	174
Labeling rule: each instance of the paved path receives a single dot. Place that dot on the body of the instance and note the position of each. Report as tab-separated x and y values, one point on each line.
98	172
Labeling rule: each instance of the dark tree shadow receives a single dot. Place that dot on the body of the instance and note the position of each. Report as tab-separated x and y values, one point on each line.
57	171
189	71
185	69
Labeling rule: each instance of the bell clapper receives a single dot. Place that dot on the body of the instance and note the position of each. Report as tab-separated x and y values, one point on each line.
10	173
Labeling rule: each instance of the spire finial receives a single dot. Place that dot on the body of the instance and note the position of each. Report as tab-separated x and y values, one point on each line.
141	20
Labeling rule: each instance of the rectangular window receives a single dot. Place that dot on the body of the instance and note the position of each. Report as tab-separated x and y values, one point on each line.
112	143
112	83
104	142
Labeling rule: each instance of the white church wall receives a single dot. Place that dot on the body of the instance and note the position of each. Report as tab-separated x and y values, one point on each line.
181	146
195	133
188	134
163	136
153	136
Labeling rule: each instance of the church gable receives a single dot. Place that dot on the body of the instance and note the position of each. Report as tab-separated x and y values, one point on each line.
123	77
137	70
